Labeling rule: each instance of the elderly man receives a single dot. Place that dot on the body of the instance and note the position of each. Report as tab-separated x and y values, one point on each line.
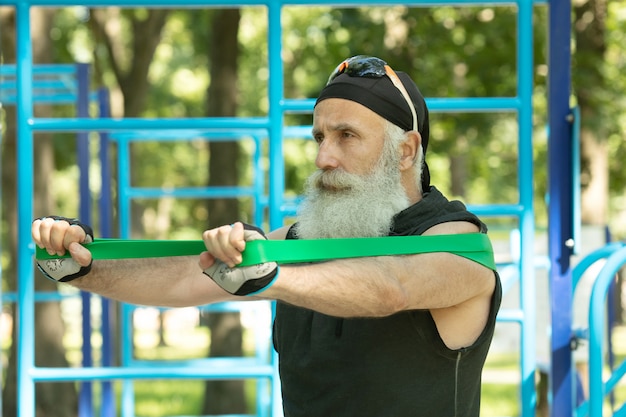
374	336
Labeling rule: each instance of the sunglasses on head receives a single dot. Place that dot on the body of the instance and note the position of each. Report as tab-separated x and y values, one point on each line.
372	67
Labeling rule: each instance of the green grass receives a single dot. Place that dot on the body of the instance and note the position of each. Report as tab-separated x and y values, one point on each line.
500	400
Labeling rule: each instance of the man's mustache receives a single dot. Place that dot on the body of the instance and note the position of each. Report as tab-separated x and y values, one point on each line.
333	180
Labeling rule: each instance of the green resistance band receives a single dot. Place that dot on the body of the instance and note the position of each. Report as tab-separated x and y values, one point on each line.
473	246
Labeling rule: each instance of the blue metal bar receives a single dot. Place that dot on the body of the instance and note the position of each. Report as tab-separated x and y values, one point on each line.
85	399
576	187
600	289
223	362
269	3
260	202
591	258
25	186
73	125
276	94
560	231
40	69
128	386
40	98
525	72
163	135
190	192
488	210
105	202
617	374
127	373
440	104
511	315
276	168
45	84
123	184
38	297
2	294
105	208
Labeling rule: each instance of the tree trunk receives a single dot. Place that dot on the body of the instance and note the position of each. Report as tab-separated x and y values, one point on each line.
52	399
131	67
224	397
589	85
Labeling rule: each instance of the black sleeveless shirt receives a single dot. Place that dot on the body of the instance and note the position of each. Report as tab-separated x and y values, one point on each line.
394	366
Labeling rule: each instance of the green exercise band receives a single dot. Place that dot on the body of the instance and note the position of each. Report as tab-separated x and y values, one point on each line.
473	246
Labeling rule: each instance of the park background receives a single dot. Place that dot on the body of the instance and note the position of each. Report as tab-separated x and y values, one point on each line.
213	62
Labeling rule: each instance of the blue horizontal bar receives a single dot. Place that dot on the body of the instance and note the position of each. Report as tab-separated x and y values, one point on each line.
304	132
39	69
225	3
208	362
513	210
46	97
303	105
39	98
107	124
474	104
236	306
174	372
437	104
495	210
45	84
167	135
511	315
189	192
11	297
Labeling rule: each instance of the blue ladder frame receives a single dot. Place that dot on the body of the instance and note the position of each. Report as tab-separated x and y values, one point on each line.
263	363
28	374
56	84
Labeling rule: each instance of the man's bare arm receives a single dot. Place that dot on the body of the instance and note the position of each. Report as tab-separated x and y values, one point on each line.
380	286
170	281
166	282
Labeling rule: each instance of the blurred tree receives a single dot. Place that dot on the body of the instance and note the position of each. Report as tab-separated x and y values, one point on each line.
590	89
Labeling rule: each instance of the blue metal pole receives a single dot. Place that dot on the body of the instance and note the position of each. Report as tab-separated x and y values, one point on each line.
276	168
597	333
105	205
1	280
25	183
85	399
527	218
560	233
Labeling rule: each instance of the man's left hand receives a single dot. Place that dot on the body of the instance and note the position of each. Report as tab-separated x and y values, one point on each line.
228	244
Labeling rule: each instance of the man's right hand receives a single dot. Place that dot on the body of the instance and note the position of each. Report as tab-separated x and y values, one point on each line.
60	234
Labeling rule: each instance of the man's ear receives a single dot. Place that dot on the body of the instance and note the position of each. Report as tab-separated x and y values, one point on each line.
409	148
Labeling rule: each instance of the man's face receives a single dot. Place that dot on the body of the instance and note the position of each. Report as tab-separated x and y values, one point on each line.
357	189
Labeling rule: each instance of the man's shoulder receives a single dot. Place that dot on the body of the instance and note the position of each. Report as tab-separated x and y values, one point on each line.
452	227
279	234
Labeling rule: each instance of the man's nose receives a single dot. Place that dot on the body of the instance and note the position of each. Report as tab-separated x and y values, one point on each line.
327	156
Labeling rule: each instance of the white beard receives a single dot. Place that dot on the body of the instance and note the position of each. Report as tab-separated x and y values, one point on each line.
338	204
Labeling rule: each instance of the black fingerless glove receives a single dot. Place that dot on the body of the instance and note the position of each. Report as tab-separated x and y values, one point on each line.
247	280
65	269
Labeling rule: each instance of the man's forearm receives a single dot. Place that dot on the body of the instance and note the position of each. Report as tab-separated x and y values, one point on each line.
168	282
342	288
